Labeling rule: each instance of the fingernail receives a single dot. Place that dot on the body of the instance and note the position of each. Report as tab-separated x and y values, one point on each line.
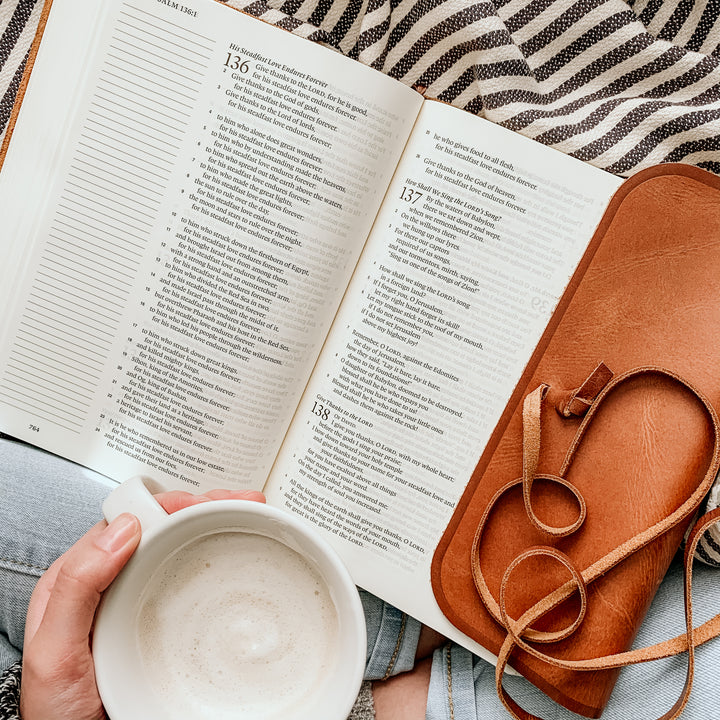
119	532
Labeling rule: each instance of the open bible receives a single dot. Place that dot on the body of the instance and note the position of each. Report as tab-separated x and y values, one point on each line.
235	258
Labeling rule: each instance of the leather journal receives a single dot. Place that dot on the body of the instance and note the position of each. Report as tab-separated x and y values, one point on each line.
603	455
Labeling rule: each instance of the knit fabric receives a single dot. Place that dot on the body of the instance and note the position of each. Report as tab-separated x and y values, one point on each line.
364	708
10	693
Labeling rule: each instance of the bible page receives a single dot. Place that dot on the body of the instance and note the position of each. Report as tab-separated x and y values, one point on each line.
475	243
184	199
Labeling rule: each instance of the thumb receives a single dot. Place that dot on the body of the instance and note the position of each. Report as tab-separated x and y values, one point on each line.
83	573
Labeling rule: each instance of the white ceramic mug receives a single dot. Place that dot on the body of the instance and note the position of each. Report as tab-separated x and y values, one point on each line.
258	631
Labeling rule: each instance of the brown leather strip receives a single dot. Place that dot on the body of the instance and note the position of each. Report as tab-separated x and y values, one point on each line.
515	629
687	642
532	407
618	380
577	401
627	304
481	585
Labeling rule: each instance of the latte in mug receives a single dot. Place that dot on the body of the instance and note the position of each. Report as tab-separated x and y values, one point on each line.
235	625
227	609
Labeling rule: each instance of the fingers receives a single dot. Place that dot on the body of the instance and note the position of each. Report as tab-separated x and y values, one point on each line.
58	677
87	558
178	499
235	495
71	590
39	599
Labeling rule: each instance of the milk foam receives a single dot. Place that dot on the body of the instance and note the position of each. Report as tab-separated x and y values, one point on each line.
236	625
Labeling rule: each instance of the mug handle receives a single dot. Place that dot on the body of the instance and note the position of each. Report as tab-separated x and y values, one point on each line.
134	496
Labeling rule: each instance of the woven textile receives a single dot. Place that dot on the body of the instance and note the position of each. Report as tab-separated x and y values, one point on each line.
18	22
620	86
10	692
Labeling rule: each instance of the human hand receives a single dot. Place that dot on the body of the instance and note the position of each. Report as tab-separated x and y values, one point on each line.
58	676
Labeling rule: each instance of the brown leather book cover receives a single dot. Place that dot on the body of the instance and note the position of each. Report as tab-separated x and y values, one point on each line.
645	294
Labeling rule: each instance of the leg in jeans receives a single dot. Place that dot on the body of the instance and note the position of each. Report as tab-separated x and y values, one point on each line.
46	504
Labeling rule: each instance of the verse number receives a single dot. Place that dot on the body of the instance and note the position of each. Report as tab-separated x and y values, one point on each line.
235	62
321	411
410	195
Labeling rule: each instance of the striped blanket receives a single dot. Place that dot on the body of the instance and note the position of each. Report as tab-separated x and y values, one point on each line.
619	85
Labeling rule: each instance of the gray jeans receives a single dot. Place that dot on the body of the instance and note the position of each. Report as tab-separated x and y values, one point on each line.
47	504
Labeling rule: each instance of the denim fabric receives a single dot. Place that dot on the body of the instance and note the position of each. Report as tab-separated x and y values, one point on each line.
46	505
392	638
642	692
452	690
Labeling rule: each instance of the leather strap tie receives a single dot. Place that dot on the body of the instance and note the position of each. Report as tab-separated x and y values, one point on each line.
520	632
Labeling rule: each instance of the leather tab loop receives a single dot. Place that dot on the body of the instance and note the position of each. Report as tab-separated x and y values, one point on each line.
576	402
532	407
